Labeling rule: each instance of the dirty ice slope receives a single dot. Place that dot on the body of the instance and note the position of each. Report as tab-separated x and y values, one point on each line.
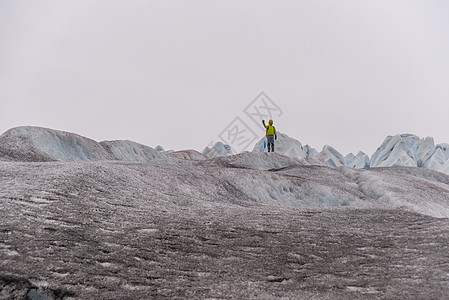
262	179
415	189
309	187
253	224
293	183
122	230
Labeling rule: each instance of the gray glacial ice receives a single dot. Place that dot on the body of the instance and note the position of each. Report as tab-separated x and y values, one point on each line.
120	220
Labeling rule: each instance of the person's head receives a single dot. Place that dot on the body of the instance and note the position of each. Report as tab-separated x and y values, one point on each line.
270	122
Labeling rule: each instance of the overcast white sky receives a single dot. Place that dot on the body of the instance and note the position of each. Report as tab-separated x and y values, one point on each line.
176	73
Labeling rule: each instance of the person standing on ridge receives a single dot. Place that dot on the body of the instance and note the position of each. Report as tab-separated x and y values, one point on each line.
270	134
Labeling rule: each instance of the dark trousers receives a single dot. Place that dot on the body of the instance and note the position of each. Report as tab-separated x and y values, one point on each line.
270	143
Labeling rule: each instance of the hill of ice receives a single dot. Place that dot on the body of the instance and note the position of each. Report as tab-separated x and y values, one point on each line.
42	144
410	150
401	150
295	180
270	179
287	146
218	149
359	161
86	220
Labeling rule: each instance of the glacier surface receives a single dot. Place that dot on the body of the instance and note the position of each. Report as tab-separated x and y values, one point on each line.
116	219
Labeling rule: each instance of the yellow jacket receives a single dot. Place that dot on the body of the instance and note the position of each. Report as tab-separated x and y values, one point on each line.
270	130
